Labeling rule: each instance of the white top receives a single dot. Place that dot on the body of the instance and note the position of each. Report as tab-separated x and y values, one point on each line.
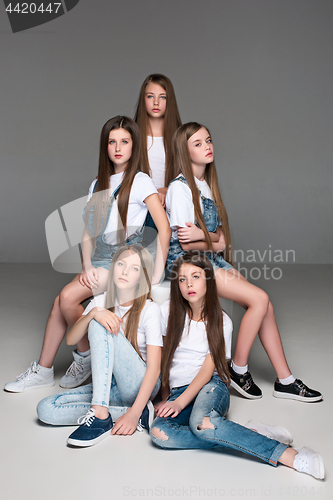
179	203
192	349
156	158
149	329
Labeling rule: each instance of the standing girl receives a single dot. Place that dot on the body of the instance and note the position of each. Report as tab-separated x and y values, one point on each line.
125	339
158	119
194	366
117	207
199	221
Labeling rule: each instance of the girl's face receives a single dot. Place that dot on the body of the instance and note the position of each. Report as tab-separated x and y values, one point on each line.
200	147
120	148
192	284
127	270
155	99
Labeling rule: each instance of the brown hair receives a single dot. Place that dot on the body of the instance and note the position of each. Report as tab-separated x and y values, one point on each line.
98	204
211	315
171	122
182	156
142	293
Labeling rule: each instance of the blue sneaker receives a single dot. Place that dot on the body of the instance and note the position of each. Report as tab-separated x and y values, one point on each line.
91	431
147	417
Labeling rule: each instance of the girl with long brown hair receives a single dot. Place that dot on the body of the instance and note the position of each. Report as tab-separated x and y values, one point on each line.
125	339
158	118
194	368
199	221
118	204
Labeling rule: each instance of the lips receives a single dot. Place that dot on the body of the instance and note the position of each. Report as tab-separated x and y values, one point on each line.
191	293
118	156
209	154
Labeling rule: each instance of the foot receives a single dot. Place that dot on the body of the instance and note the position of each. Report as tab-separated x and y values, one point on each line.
34	377
271	431
91	431
147	417
244	384
296	390
310	462
78	372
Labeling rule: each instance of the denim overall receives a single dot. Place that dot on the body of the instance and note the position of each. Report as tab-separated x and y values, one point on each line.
103	251
211	220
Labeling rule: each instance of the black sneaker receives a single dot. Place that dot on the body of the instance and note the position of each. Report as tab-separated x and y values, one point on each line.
146	418
296	390
244	384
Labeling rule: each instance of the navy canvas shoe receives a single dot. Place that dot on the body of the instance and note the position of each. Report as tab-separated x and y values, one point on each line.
147	417
91	431
296	390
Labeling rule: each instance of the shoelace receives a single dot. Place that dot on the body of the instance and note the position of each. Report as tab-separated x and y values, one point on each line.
32	369
88	418
139	427
75	369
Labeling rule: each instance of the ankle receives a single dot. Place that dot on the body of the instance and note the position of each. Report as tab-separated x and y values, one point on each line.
101	412
287	458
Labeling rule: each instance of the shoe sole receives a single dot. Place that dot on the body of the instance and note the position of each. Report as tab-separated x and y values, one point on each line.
76	385
242	392
84	444
286	395
259	426
31	388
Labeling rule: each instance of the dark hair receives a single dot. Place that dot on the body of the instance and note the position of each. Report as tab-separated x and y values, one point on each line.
171	122
211	315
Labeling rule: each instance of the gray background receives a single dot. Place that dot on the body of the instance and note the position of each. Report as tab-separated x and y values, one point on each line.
258	73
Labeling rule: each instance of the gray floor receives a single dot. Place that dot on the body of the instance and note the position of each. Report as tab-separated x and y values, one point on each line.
37	464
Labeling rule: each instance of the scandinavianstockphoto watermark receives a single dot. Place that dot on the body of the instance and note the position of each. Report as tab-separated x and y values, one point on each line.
188	492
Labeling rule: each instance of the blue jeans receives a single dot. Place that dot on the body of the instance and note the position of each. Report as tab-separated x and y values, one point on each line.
212	401
117	373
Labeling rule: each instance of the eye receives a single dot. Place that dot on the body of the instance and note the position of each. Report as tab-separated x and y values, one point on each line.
149	96
111	141
198	144
196	276
135	269
163	96
125	141
181	280
119	264
209	141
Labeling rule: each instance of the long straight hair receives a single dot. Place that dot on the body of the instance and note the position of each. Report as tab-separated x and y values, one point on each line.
98	204
142	292
182	157
211	315
171	122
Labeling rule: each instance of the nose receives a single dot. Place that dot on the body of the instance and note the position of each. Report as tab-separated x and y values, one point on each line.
189	284
124	271
156	100
117	146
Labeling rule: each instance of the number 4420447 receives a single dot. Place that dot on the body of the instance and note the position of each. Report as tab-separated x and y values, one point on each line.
32	8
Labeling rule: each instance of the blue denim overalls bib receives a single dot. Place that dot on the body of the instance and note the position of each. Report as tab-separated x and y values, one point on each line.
211	220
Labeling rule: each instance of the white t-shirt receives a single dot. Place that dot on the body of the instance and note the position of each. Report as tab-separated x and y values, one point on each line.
156	158
149	329
179	203
142	187
192	349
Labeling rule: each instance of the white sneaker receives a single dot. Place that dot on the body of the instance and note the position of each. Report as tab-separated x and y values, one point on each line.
34	377
310	462
78	372
271	431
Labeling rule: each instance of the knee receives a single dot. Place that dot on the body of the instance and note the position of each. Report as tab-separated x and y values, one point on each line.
44	410
262	300
96	328
159	436
55	310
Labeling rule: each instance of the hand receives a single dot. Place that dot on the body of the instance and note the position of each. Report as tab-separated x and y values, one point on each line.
190	233
108	319
126	424
219	246
89	278
159	405
162	195
169	409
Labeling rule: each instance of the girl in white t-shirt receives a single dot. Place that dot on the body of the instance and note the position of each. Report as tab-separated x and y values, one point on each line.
116	210
158	119
125	339
195	369
199	221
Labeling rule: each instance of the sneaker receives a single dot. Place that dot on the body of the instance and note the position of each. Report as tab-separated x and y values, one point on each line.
78	372
244	384
34	377
296	390
271	431
310	462
91	431
147	417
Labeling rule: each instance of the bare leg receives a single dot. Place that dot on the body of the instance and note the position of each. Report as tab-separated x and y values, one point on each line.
55	331
288	456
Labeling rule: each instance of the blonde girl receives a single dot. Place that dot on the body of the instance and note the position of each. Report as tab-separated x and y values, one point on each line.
125	340
199	221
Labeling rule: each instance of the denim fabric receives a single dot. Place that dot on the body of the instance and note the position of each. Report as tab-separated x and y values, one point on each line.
211	220
117	372
212	401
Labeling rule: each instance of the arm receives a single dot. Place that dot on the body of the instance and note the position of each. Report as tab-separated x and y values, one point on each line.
127	423
164	233
173	408
89	275
106	318
162	194
217	238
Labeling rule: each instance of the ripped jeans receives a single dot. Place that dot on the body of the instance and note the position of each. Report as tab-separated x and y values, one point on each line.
212	401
